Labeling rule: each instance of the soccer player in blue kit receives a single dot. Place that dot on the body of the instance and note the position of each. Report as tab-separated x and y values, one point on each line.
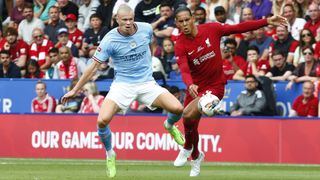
128	46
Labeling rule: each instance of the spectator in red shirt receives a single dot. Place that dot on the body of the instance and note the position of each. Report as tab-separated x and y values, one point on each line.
92	100
39	48
43	103
17	47
306	104
231	62
314	23
75	35
253	66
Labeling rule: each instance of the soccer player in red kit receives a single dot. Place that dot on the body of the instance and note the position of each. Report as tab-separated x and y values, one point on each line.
198	56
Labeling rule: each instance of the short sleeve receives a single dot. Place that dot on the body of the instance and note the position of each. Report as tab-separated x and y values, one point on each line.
103	51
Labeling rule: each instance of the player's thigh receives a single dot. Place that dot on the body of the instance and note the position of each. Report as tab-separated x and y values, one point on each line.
122	95
191	110
107	110
168	102
153	95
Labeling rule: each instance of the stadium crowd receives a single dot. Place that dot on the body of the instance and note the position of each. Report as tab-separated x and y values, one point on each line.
49	39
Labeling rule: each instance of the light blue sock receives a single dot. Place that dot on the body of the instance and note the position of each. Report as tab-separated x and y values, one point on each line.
105	137
173	118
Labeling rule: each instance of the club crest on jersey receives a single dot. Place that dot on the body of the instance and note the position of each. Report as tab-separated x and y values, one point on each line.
208	42
98	49
133	44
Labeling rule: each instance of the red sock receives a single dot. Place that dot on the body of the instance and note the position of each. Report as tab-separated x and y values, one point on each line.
188	129
195	138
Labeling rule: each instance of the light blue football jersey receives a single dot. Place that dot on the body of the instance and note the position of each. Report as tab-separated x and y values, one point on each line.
130	55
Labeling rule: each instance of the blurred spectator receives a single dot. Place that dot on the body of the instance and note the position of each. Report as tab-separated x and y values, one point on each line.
306	104
8	69
306	39
88	8
193	4
262	42
175	73
281	70
254	65
39	48
41	9
54	24
43	103
33	70
306	71
63	37
53	72
17	14
67	7
200	15
246	14
146	10
106	10
260	8
158	71
67	66
285	42
231	62
164	24
73	104
27	25
75	35
302	6
93	36
243	43
92	100
212	4
221	15
104	71
251	101
17	47
277	6
296	24
235	10
314	23
168	54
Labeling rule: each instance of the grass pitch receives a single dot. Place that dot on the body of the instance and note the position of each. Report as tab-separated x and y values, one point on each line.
61	169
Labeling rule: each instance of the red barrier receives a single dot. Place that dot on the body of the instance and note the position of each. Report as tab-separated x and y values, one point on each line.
144	138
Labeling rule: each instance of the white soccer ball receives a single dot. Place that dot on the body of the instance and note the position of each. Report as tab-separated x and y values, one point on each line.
208	104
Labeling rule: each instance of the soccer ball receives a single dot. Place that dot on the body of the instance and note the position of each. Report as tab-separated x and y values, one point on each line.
208	104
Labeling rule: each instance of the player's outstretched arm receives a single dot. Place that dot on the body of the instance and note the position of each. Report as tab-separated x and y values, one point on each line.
86	76
277	20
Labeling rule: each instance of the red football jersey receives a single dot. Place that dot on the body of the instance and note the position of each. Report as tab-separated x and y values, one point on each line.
228	68
308	109
199	58
19	49
47	105
76	36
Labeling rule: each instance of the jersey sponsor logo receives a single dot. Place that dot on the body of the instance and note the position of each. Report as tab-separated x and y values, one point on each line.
99	49
189	53
208	42
203	58
200	48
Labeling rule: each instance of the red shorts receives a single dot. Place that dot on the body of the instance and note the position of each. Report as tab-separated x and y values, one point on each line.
217	90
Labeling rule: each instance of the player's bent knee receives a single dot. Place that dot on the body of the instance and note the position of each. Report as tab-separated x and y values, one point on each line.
103	122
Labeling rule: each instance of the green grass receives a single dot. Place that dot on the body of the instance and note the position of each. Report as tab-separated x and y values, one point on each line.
61	169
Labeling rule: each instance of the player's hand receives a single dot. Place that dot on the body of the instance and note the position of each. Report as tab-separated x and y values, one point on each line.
277	20
67	96
193	90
